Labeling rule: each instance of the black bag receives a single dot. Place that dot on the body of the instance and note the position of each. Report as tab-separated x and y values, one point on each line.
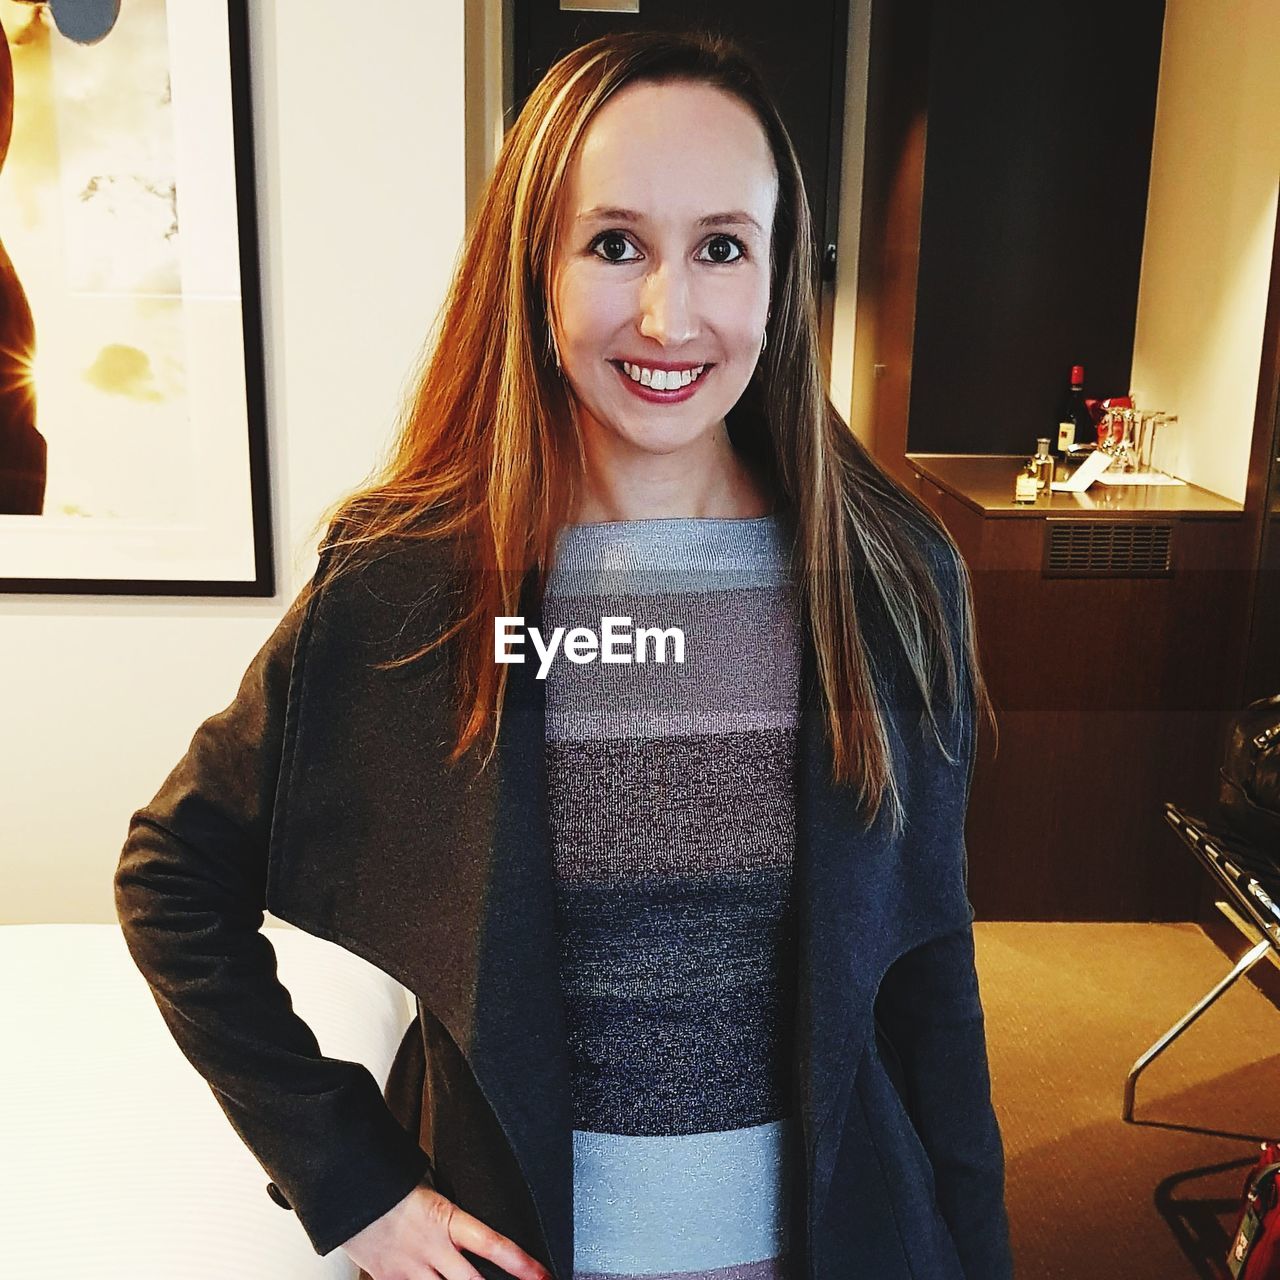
1249	780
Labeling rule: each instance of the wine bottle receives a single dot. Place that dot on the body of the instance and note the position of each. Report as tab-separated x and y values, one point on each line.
1074	412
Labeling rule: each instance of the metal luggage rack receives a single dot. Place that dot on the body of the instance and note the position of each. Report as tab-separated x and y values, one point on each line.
1252	882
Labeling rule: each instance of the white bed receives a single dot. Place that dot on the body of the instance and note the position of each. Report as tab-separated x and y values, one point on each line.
117	1162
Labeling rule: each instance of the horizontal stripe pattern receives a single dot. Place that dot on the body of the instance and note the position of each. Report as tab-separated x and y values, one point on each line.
625	807
672	802
657	557
712	691
766	1269
698	1203
680	996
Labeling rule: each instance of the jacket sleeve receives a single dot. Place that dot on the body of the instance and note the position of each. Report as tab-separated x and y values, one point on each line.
929	1006
190	892
930	1009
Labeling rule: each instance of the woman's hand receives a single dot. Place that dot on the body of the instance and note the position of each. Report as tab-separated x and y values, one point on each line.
422	1236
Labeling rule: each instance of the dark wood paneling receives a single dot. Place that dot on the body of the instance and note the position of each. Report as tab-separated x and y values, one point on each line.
1112	696
1066	821
1035	189
1262	535
1262	504
1029	264
889	236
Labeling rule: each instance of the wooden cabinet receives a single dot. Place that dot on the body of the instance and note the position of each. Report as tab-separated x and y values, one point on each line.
1111	630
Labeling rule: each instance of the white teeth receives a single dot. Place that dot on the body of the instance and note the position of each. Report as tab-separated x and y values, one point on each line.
661	379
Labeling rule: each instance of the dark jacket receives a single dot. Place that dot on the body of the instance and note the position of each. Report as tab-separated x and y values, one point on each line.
323	793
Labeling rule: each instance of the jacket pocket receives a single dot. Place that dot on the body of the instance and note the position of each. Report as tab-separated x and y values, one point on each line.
474	1164
904	1163
892	1072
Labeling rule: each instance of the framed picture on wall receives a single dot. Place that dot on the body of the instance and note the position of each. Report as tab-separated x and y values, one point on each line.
133	453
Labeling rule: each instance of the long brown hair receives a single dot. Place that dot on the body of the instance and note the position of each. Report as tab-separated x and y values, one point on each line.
488	453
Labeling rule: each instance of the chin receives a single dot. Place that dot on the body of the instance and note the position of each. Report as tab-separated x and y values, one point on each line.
654	442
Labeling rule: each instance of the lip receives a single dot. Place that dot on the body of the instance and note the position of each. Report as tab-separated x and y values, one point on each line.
662	397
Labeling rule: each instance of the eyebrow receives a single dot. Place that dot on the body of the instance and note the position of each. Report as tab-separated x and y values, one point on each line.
734	218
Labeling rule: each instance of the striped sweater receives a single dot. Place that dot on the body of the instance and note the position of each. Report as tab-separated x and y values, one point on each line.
673	824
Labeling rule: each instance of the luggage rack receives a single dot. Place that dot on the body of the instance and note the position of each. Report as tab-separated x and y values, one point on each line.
1252	882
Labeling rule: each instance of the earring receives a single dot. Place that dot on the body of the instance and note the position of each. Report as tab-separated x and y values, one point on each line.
765	343
552	350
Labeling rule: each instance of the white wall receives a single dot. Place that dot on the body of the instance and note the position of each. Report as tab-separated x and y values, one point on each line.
1211	218
359	132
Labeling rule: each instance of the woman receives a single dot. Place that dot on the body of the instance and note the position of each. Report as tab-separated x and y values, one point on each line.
690	942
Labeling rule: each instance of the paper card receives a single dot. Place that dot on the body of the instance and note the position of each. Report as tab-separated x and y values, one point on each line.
1139	477
1086	473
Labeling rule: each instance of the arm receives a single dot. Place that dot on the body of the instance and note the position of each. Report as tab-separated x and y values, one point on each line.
190	891
930	1008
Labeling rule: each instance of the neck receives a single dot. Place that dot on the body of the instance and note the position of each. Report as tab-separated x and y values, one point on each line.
706	479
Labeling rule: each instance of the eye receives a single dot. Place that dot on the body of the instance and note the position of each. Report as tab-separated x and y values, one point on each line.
721	240
619	240
614	237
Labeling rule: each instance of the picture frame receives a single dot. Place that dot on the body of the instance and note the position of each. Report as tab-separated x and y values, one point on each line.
134	239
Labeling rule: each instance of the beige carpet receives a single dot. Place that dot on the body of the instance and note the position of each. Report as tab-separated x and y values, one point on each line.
1069	1007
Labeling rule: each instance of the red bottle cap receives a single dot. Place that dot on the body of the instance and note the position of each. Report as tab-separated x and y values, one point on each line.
1077	375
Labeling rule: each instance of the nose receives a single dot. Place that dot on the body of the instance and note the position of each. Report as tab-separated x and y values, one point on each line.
666	313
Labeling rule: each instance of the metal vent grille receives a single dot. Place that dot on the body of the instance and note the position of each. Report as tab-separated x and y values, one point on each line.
1108	548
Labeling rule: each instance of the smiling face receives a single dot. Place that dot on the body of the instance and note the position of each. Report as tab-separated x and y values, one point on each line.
663	264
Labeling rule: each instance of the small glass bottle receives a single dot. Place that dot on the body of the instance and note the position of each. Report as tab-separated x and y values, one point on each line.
1043	462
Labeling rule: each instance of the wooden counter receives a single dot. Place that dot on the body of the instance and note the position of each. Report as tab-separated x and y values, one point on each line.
1111	636
984	483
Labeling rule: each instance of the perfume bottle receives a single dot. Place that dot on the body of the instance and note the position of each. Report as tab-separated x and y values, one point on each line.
1043	463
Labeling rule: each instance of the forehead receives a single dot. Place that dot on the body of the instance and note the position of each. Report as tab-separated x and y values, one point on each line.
674	151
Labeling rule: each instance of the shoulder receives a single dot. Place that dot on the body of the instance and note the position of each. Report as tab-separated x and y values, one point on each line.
362	575
957	701
947	576
941	556
928	663
926	583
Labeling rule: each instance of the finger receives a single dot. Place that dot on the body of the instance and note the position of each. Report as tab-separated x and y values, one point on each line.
478	1237
450	1264
455	1267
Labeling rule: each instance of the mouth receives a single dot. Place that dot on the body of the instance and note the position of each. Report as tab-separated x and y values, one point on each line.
666	396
